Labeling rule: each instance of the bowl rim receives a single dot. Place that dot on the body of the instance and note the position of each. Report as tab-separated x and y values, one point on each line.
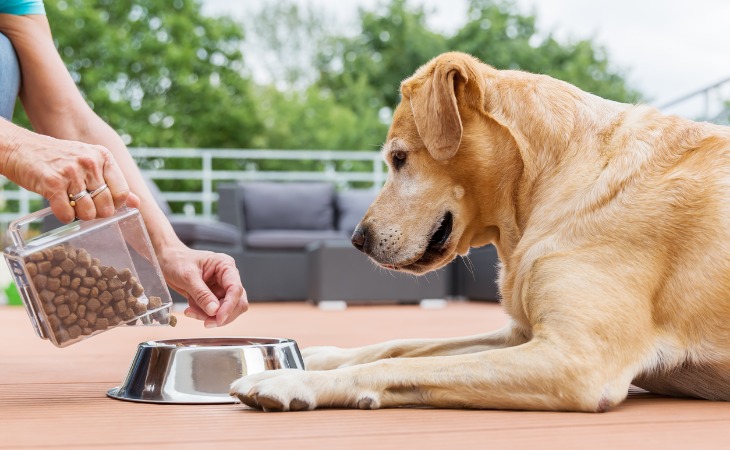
219	342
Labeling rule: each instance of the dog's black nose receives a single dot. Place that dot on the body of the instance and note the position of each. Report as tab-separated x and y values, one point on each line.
358	238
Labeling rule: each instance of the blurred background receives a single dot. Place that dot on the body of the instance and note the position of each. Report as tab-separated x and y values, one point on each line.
324	74
264	74
321	77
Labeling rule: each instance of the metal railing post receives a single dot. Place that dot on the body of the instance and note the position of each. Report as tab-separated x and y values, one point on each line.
701	99
207	185
378	175
24	201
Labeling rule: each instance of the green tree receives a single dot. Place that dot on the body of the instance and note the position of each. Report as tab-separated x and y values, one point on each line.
296	111
160	73
395	40
499	36
313	119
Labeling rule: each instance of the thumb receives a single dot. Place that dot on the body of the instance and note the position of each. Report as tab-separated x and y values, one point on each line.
200	294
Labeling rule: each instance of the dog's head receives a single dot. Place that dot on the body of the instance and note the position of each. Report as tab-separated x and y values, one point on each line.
430	209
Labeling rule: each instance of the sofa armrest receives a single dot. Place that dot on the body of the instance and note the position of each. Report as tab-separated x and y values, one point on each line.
230	207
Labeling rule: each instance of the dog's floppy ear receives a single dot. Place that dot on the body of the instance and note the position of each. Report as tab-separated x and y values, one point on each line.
435	109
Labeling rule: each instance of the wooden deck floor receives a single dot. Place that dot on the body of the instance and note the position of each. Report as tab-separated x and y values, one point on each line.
55	398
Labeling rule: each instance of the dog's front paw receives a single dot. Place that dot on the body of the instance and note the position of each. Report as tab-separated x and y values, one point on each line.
276	390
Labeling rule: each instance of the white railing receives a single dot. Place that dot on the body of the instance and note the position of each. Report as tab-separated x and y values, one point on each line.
708	104
153	165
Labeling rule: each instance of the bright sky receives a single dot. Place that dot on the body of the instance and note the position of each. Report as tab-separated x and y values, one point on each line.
667	48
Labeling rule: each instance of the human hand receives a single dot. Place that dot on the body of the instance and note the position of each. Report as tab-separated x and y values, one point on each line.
57	169
210	281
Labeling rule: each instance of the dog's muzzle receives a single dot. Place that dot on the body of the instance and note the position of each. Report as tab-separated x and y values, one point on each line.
434	250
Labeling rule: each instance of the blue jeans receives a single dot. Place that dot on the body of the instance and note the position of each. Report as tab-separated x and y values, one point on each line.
9	77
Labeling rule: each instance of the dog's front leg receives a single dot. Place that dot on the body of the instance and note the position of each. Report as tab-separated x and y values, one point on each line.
325	358
532	376
587	345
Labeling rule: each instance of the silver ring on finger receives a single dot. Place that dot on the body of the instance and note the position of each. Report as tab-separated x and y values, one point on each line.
98	190
73	199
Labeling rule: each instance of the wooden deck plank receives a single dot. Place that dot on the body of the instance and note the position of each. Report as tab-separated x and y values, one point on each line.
55	398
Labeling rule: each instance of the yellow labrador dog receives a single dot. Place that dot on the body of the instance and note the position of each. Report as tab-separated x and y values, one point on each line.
612	222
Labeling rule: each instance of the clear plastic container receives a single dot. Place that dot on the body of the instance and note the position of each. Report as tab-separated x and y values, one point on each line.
88	277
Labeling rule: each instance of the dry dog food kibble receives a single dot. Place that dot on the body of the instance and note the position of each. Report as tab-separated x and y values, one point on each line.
80	296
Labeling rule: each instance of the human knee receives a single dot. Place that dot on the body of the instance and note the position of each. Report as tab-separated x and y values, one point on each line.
9	77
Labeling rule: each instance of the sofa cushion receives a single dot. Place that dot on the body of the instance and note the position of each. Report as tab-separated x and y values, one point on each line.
289	239
288	206
196	230
351	207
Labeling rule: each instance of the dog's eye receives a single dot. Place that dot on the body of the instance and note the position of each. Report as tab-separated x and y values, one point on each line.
399	158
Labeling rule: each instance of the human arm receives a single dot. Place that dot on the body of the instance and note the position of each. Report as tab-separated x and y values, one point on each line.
55	167
56	108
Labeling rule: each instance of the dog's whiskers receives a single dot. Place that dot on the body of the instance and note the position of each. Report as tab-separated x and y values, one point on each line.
469	265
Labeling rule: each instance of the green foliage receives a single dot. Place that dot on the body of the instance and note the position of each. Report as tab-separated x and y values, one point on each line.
297	113
507	40
281	40
314	119
395	40
160	73
164	75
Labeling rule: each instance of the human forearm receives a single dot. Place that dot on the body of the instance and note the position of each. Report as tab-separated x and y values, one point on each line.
158	226
86	154
9	141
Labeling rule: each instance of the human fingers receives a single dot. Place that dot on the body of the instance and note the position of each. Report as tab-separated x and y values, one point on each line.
102	199
91	163
235	301
83	205
199	295
114	178
61	207
68	194
194	312
230	310
82	172
218	291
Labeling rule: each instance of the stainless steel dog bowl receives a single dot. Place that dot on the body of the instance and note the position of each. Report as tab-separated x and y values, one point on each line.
201	370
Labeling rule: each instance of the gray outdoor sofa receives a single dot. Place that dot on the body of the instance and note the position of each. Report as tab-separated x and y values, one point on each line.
295	245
